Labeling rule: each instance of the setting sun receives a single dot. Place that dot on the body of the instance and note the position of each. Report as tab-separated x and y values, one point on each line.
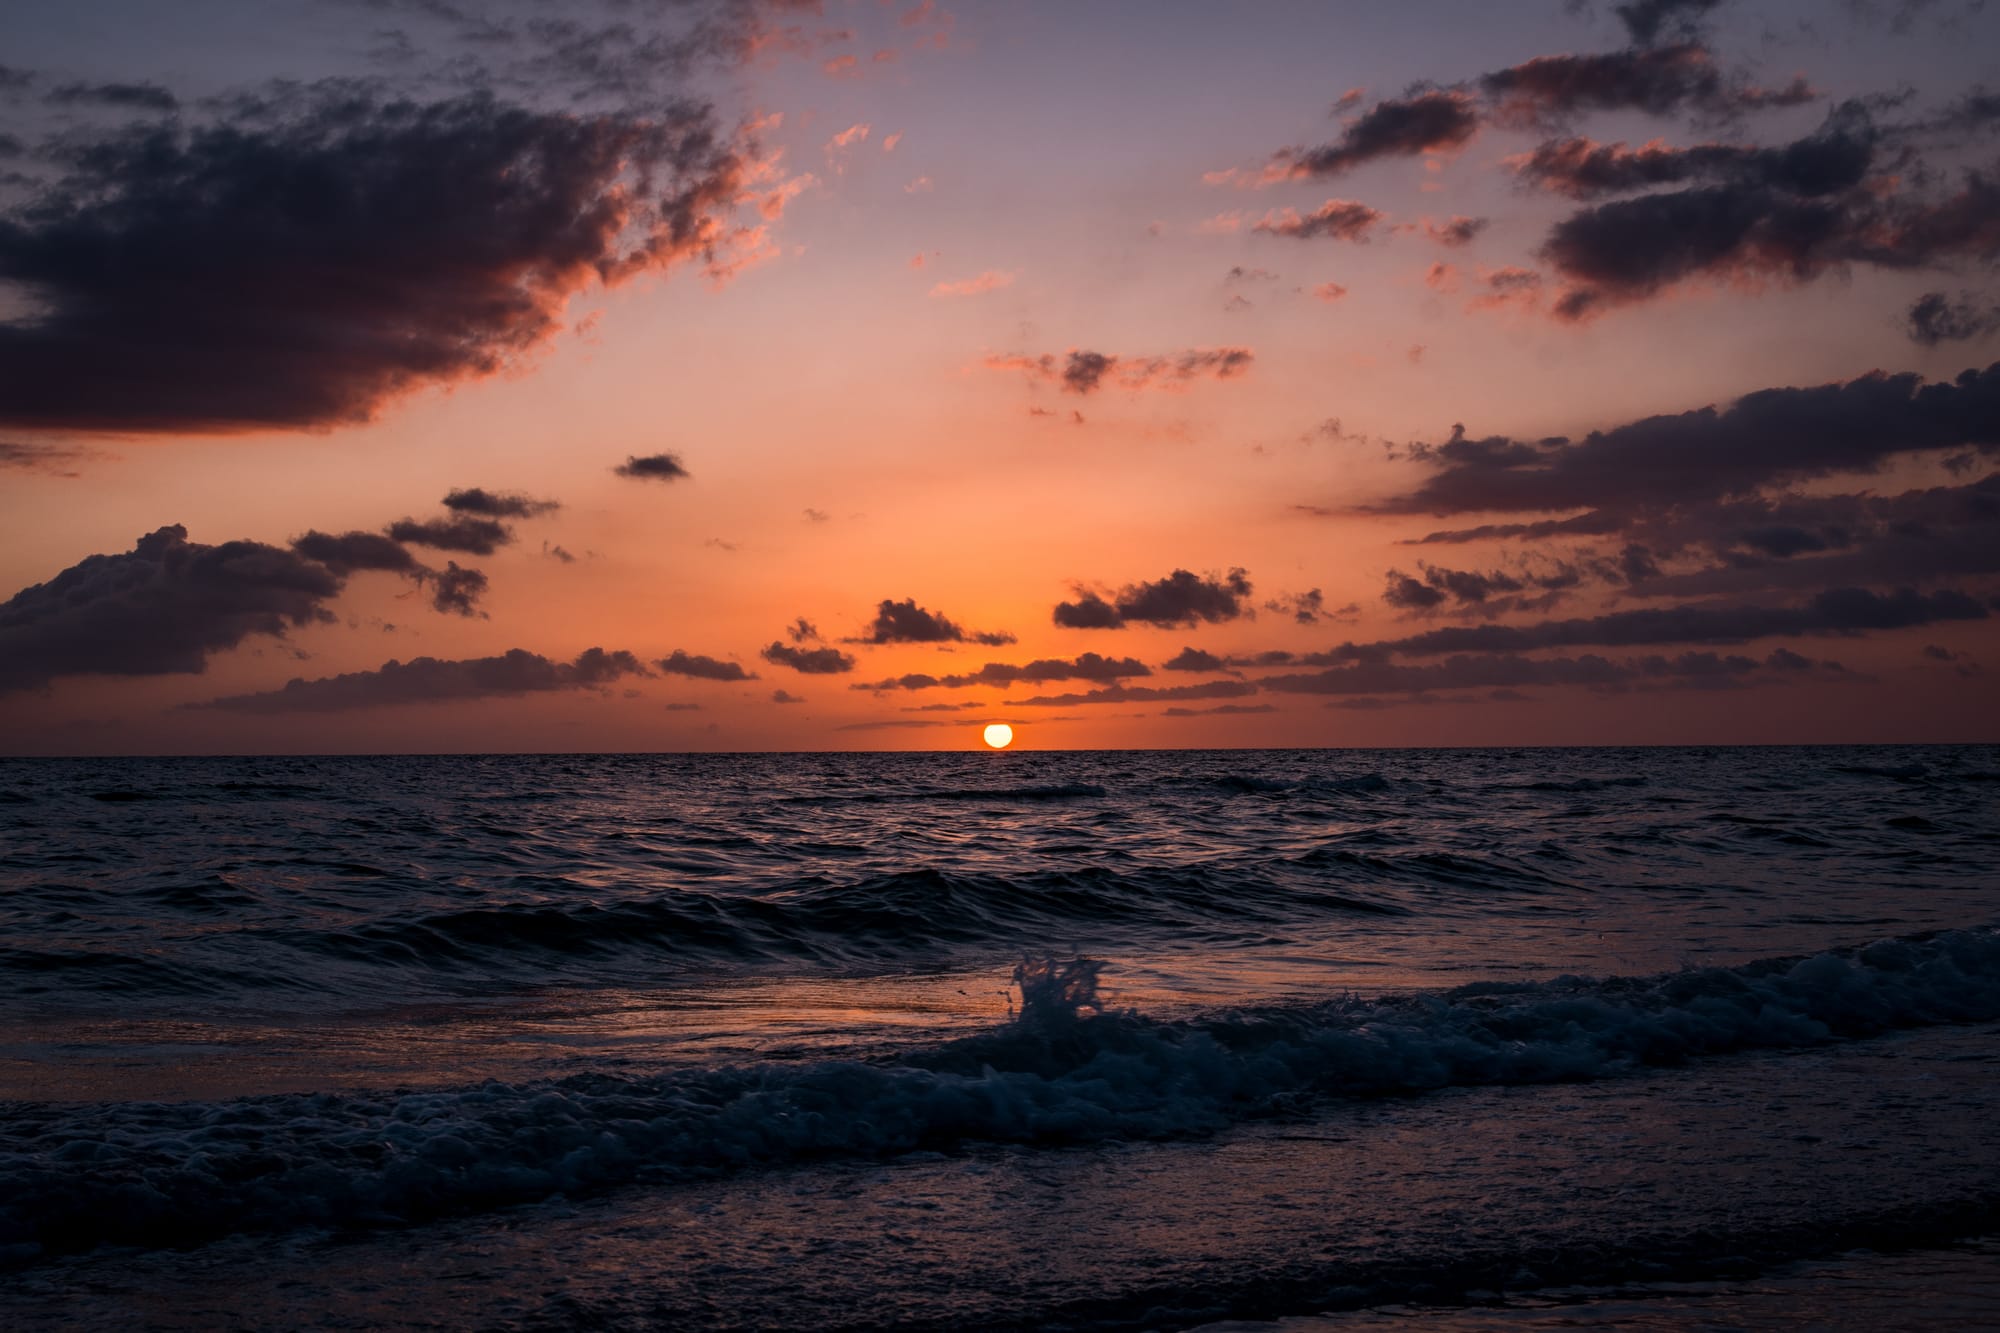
999	735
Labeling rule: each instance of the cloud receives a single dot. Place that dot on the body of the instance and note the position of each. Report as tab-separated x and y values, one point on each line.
1836	611
1645	20
1192	659
55	459
1181	598
497	504
1220	710
1426	122
1785	434
1084	372
1694	670
1085	666
304	259
1655	80
456	591
1329	292
906	622
785	697
161	608
1935	318
1788	214
1341	219
652	467
680	663
809	661
431	680
992	280
1133	694
1456	232
464	532
347	552
126	96
1833	159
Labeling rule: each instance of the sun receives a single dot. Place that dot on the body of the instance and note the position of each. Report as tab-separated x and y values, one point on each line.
999	735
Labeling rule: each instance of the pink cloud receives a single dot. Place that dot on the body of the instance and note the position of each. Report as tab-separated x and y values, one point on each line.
991	280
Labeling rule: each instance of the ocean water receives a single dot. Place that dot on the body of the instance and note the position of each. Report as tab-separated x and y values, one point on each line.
1100	1040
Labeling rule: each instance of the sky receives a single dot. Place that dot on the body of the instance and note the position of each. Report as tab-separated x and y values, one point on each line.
664	375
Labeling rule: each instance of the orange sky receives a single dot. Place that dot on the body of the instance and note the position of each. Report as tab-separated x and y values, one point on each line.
847	363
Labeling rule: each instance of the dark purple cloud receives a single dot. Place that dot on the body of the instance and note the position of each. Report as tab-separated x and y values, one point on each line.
1657	80
809	661
497	504
1423	122
906	622
161	608
431	680
304	259
652	467
345	553
1772	435
1181	598
1133	694
1085	666
1936	318
680	663
460	532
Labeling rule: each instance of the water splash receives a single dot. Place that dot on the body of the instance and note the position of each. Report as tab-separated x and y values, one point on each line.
1056	993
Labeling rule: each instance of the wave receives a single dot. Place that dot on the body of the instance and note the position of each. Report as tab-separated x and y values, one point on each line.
1578	784
1050	791
1061	1072
906	917
1250	784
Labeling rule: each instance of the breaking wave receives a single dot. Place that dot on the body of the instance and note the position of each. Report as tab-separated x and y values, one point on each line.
1063	1071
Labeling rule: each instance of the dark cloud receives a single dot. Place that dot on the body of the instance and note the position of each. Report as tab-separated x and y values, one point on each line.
1423	122
1084	372
1655	80
58	459
906	622
1192	659
1133	694
1775	215
802	630
434	680
1085	666
652	467
1220	710
497	504
1772	435
1181	598
460	532
1646	20
810	661
124	96
313	254
785	697
1456	232
346	552
1936	318
1490	591
680	663
456	591
1341	219
1694	670
1832	160
161	608
1836	611
1411	594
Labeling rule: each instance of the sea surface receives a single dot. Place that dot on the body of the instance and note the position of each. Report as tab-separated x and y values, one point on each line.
1288	1040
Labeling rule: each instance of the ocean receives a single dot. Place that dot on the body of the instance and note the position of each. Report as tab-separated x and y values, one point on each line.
1300	1039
